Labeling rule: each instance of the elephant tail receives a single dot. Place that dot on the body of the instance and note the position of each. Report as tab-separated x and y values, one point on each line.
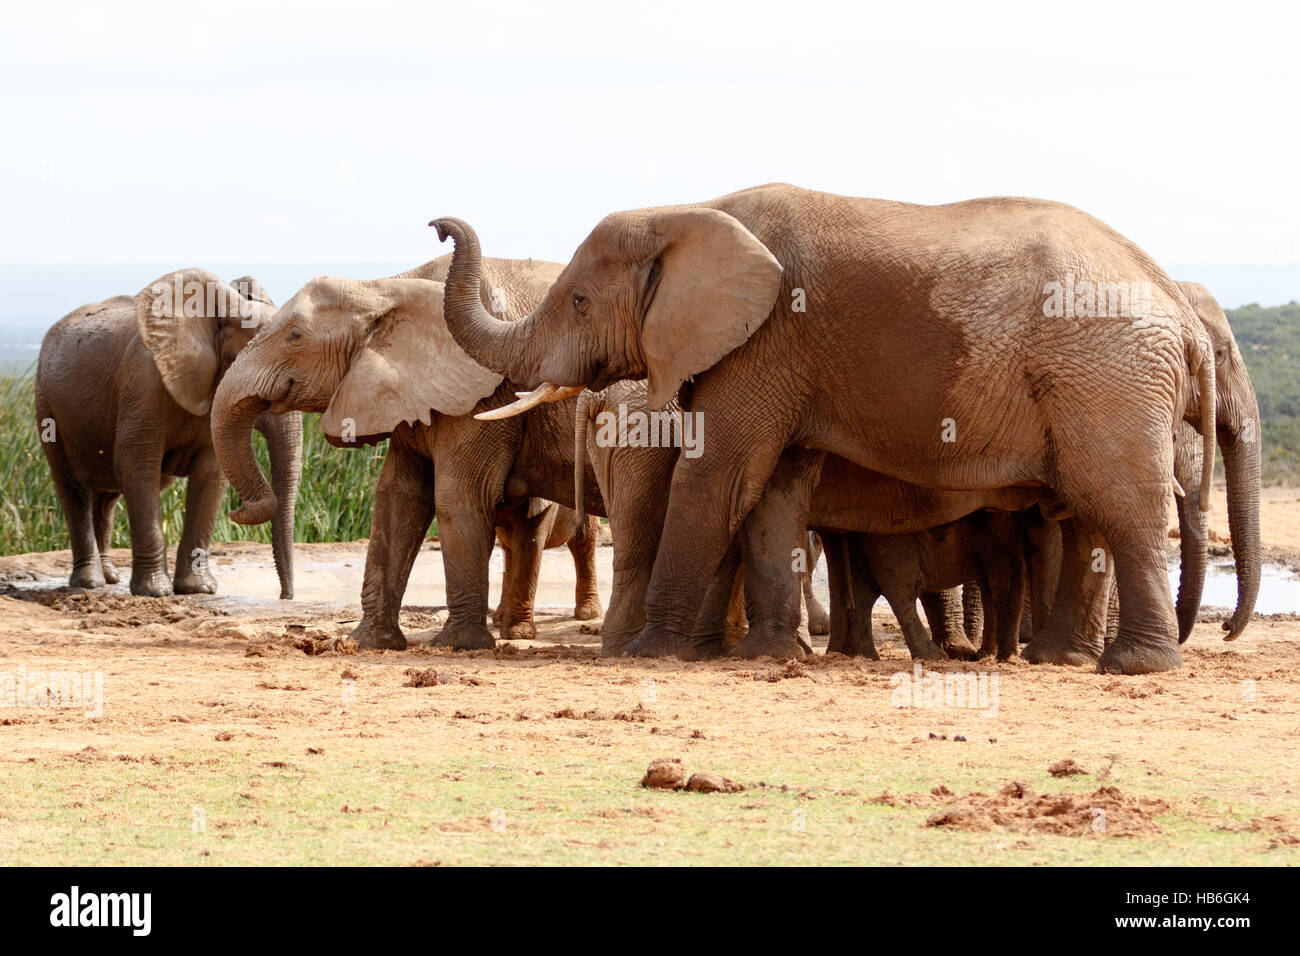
1205	383
580	454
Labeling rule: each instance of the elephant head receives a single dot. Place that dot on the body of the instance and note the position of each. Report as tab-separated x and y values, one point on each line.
661	294
195	324
369	354
1237	429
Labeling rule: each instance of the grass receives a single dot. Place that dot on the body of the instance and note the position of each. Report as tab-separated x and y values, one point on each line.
335	499
205	808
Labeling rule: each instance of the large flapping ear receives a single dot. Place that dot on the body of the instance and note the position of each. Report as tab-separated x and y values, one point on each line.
409	369
715	283
178	317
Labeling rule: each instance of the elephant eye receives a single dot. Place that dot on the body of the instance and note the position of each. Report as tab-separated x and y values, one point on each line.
581	303
1220	354
294	335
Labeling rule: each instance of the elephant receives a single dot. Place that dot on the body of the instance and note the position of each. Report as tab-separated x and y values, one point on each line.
987	546
523	534
1075	621
376	358
634	481
933	344
124	391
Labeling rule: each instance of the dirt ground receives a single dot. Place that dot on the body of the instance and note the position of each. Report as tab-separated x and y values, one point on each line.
241	730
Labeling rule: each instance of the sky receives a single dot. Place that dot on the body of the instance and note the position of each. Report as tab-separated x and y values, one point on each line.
301	138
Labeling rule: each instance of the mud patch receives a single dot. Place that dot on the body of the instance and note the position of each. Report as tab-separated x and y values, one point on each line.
1106	811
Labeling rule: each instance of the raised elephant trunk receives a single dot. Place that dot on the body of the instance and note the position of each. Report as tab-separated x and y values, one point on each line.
492	342
284	443
1241	466
235	411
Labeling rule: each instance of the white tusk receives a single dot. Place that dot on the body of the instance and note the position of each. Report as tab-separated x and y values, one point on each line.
546	392
1178	489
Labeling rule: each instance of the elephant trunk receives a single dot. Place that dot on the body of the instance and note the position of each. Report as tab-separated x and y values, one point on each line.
580	454
493	343
1241	466
284	443
235	411
1193	530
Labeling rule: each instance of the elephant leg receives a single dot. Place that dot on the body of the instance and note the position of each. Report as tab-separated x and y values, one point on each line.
774	548
943	612
634	487
105	511
403	511
724	599
1147	641
1112	614
1006	584
498	617
896	566
204	491
582	547
78	512
819	620
142	489
853	595
466	529
1073	630
710	497
527	542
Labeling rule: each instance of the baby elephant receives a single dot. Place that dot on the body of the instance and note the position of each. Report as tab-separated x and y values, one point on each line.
987	545
123	391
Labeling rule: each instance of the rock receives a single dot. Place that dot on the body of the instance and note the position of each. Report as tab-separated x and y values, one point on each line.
712	783
664	773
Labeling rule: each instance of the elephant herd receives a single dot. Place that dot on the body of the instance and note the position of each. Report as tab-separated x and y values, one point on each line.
999	393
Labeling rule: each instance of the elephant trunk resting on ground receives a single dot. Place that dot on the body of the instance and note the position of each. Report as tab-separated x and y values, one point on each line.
929	343
123	393
376	358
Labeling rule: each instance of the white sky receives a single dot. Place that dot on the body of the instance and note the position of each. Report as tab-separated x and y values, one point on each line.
256	132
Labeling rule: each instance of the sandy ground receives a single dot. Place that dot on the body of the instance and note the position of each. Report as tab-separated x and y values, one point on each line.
239	729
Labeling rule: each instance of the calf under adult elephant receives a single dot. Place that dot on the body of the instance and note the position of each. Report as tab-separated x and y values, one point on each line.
123	393
376	358
928	343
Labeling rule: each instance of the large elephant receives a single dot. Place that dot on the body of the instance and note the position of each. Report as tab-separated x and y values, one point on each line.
1071	628
376	358
933	344
123	394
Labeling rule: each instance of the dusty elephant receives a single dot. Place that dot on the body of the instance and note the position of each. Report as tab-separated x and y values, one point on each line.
376	358
877	331
1074	622
124	389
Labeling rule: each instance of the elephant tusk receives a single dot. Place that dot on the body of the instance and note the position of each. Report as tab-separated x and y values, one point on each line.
546	392
1178	489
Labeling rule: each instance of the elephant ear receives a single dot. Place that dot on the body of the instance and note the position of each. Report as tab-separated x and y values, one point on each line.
252	290
714	284
178	319
409	369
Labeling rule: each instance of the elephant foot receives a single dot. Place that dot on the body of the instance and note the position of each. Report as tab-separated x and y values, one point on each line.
193	583
1066	650
1130	657
88	577
926	650
588	610
378	637
519	631
783	647
151	584
658	644
465	637
111	575
960	650
819	622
